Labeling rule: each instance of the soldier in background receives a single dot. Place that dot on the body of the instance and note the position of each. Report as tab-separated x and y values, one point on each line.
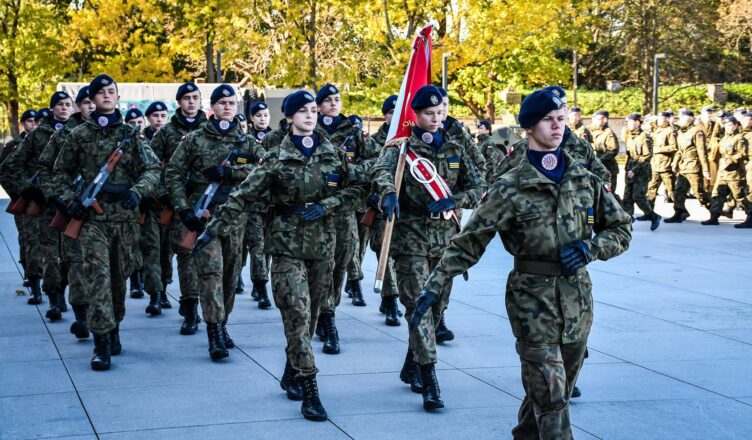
664	149
135	118
707	124
606	144
28	124
492	153
689	165
575	124
639	152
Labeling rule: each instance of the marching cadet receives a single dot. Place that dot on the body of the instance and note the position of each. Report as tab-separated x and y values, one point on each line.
217	154
309	179
187	118
106	236
707	124
22	174
554	217
492	153
242	122
575	124
135	118
664	149
746	130
42	114
72	254
639	152
606	144
734	151
689	165
28	124
156	116
424	224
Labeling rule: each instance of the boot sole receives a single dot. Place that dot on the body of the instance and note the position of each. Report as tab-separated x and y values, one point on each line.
80	334
153	311
359	304
219	355
314	417
263	306
54	316
444	339
34	302
330	350
99	367
188	332
430	406
390	323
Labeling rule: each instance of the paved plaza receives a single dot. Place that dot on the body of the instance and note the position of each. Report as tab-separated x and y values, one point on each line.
670	356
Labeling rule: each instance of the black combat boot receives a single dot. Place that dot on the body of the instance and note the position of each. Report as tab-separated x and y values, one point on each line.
410	374
254	292
642	218
655	221
164	300
261	296
356	293
712	221
137	284
311	408
290	385
79	327
229	343
746	224
53	313
100	361
443	334
189	312
36	292
240	288
676	218
576	392
61	304
431	392
154	308
331	336
390	308
217	349
115	347
728	212
348	289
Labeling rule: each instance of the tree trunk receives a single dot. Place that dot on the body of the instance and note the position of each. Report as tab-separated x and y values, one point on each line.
13	104
209	54
313	64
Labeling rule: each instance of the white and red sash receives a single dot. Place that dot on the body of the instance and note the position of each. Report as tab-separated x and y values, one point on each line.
424	172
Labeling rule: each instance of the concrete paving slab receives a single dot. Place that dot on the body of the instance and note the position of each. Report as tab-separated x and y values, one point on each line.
27	348
728	377
39	377
744	336
42	416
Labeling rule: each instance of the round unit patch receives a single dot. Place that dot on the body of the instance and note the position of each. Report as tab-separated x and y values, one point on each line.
224	125
58	126
307	142
549	161
102	121
427	137
260	135
327	120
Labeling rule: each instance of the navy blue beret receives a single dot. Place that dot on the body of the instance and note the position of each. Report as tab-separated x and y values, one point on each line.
426	96
686	112
257	107
484	123
558	91
28	114
43	113
222	91
185	88
601	113
575	110
667	114
156	106
635	117
57	97
132	114
240	117
295	101
708	109
327	90
82	94
284	100
99	83
536	106
443	92
389	104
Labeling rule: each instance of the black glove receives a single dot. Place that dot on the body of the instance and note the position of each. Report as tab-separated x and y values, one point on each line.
201	242
441	205
216	173
373	201
34	194
131	200
314	212
58	203
78	211
190	220
390	206
574	256
422	305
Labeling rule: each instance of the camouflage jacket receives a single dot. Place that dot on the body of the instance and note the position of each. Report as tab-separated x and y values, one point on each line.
415	232
582	132
455	129
747	134
23	162
10	146
664	148
379	138
580	150
294	181
273	139
733	150
639	152
491	153
87	148
691	157
148	134
535	218
714	141
49	183
166	141
605	143
204	148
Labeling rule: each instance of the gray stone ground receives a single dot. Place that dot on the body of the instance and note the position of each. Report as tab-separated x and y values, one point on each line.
670	356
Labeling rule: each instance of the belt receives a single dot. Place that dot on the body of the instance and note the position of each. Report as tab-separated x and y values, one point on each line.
537	267
421	212
291	209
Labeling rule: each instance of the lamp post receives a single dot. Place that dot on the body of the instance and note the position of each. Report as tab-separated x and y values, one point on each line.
444	69
656	57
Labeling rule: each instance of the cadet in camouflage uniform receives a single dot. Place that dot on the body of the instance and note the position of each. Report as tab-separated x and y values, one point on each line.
135	118
554	217
575	124
664	149
492	153
29	124
188	117
733	150
309	179
690	166
72	255
197	163
24	161
424	227
707	125
606	144
106	239
639	152
746	129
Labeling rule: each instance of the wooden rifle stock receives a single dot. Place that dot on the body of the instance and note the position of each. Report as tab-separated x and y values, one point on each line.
368	217
18	207
190	237
58	221
389	227
73	230
34	209
165	217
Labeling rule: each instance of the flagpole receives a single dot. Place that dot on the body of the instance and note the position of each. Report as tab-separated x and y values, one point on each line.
389	227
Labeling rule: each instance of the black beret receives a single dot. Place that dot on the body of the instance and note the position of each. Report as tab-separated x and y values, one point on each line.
667	114
484	123
99	83
601	113
43	113
222	91
443	92
57	97
634	117
257	107
536	106
240	117
686	112
326	90
28	114
730	118
296	101
82	94
132	114
426	96
156	106
708	109
185	88
389	104
575	110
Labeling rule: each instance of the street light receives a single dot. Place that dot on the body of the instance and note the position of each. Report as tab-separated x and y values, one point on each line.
658	56
444	69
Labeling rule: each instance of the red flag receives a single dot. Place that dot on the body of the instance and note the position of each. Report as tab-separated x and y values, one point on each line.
417	75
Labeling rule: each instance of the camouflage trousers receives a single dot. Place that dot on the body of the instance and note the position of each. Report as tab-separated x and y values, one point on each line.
389	286
165	255
683	183
187	273
54	275
549	373
107	251
613	167
344	249
253	247
635	193
149	249
658	177
218	267
73	259
713	168
354	269
32	257
18	220
299	287
725	188
412	273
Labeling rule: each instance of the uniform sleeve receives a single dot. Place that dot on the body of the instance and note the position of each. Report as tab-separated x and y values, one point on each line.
475	154
148	168
382	178
354	188
595	166
241	171
15	167
509	161
157	145
472	183
611	145
700	142
371	151
612	225
645	153
66	166
175	174
47	181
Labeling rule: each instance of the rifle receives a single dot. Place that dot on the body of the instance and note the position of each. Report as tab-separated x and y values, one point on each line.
201	208
389	227
61	218
23	206
89	196
165	217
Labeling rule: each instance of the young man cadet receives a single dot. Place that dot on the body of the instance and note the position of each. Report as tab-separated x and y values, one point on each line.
606	144
575	124
639	152
493	154
664	149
